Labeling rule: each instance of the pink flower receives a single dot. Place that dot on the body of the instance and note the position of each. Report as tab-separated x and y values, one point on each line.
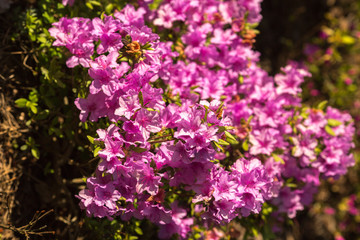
329	210
66	2
166	16
263	142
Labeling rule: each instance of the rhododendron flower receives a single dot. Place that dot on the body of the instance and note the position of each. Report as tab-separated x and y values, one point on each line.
166	16
181	108
263	142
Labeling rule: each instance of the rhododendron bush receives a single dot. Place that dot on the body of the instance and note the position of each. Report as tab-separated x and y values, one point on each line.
193	131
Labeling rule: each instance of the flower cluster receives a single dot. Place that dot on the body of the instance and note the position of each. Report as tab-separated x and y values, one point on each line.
192	117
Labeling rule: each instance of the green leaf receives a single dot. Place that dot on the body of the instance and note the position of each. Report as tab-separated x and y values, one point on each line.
96	151
197	236
28	123
89	5
277	158
33	107
30	141
348	40
266	209
49	18
224	128
255	231
155	4
231	141
334	122
123	59
141	99
91	139
151	109
230	138
109	8
322	105
329	130
293	150
220	108
33	96
42	38
21	102
95	3
222	142
304	114
241	79
295	130
35	152
23	147
291	185
317	150
15	144
217	145
138	231
245	145
251	25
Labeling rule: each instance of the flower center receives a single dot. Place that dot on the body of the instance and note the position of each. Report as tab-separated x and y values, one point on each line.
134	47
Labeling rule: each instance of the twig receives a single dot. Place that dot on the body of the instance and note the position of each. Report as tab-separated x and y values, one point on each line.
2	77
27	66
27	230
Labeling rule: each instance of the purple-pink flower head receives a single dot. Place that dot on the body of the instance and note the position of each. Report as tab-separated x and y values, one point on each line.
289	83
165	16
169	96
131	17
263	141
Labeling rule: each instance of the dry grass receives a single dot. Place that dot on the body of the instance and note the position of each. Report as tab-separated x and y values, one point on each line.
9	172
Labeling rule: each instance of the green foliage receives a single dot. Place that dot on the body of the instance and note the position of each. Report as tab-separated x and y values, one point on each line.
155	4
30	144
30	103
230	138
277	158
